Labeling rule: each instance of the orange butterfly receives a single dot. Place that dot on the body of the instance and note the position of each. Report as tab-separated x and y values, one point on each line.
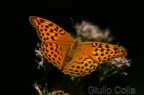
70	55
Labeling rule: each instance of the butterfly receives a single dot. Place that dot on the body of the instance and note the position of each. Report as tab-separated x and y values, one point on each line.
69	55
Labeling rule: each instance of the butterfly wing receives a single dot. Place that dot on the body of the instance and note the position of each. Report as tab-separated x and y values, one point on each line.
103	52
80	65
48	31
55	41
89	55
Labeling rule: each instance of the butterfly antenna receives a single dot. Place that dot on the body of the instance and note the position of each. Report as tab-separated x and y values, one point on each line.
73	26
72	21
118	43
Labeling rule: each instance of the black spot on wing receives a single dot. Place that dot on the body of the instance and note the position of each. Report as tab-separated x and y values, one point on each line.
42	21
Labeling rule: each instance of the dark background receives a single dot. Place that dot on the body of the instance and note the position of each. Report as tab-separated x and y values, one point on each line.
124	20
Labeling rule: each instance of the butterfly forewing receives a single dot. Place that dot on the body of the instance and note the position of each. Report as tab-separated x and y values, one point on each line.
103	52
48	31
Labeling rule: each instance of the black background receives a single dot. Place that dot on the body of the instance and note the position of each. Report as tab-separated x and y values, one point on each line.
19	39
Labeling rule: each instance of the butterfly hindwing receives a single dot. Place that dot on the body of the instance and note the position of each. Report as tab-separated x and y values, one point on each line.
80	65
55	52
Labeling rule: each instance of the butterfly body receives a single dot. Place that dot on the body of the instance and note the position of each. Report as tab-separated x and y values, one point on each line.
74	47
70	55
